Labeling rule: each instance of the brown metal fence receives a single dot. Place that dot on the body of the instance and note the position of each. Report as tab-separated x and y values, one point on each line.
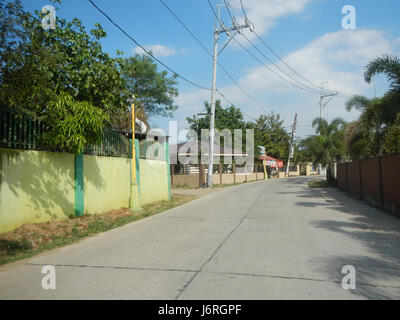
375	180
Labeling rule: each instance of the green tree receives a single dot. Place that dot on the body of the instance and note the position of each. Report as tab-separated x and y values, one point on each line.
366	138
225	118
60	76
44	69
328	143
388	65
270	133
230	118
154	90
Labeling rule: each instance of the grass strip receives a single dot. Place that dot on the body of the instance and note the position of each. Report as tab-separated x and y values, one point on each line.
31	239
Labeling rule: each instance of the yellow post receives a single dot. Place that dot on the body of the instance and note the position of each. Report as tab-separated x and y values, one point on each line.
134	202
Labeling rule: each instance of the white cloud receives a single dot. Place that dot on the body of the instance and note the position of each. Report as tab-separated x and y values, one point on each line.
338	57
158	50
264	13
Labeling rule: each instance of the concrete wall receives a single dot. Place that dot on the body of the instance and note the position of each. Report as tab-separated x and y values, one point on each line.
106	183
153	181
35	186
191	180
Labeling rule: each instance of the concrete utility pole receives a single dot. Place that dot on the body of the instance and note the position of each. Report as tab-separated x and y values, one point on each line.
291	152
219	29
323	104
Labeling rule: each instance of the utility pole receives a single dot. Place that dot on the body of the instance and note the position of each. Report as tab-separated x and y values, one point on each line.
291	145
322	105
220	28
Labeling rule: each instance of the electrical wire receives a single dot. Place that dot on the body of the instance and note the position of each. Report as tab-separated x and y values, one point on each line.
244	12
146	51
340	93
211	55
229	11
289	76
271	70
232	104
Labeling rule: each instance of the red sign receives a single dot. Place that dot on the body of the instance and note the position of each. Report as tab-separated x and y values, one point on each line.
280	164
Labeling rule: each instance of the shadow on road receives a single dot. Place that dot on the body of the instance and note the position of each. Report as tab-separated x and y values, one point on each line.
378	274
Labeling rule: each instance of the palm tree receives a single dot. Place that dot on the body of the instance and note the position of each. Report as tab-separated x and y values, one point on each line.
328	143
389	65
367	138
377	115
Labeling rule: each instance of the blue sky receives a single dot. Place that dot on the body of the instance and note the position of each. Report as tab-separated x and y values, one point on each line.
307	34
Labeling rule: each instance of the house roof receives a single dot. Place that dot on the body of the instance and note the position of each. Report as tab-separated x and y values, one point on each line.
189	148
267	158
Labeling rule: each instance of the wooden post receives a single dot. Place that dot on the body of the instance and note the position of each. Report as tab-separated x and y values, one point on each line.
201	175
360	175
381	195
172	170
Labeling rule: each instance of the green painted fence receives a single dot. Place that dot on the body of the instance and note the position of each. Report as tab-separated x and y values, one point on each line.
21	131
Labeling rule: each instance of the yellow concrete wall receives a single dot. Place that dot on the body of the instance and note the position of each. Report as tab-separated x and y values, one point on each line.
106	183
35	186
153	181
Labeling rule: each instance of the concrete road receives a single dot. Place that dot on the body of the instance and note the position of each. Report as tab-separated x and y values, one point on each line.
275	239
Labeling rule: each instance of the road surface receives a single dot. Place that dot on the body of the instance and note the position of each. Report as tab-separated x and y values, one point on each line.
274	239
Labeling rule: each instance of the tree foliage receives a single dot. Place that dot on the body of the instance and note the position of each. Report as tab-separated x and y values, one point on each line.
270	133
44	70
225	118
326	145
376	132
268	129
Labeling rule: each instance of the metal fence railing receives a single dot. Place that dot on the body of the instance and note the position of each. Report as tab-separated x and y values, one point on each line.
112	144
20	131
151	150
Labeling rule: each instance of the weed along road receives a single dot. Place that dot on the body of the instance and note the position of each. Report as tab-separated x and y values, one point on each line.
277	239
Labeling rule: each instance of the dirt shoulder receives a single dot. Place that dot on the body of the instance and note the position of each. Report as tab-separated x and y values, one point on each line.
31	239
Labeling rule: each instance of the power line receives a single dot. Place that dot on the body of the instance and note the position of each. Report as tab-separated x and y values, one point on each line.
283	61
146	51
209	53
342	94
266	57
244	12
215	14
271	70
232	104
229	11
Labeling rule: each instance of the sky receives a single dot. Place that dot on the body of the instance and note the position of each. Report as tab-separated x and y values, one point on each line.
306	34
